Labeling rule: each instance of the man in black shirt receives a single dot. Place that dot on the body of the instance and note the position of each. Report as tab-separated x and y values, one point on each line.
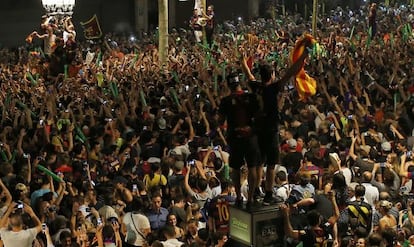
267	117
293	158
239	109
267	124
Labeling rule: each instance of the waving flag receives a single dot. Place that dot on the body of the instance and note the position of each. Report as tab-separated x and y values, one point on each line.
91	28
305	84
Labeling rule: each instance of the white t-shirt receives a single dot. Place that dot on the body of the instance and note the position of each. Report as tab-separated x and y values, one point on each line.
141	223
347	174
201	198
282	192
215	191
172	243
23	238
371	193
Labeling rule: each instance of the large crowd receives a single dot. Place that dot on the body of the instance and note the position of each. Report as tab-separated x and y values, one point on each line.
102	146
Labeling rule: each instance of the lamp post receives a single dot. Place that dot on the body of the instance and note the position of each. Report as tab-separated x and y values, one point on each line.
314	17
163	32
57	22
59	7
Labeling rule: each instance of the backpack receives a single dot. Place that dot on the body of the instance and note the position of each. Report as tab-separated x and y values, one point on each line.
360	215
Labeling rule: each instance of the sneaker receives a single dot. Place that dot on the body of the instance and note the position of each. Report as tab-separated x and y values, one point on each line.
268	200
260	191
258	195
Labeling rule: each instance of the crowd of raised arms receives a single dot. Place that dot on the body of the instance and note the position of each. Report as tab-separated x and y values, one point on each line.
101	146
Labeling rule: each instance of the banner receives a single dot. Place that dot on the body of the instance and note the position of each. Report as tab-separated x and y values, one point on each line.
91	28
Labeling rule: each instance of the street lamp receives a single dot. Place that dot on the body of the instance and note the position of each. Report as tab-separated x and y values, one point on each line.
59	7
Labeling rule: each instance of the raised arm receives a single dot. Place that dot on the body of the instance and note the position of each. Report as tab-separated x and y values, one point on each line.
204	117
6	193
287	225
396	132
118	240
186	178
61	193
5	219
49	241
332	198
29	211
191	133
352	149
200	168
20	141
246	69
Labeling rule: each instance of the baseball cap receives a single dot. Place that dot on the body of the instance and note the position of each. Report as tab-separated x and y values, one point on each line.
153	160
163	100
386	146
162	124
292	143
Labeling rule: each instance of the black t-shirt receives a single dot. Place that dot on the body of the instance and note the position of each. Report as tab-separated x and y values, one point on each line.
176	180
292	161
302	130
323	205
268	98
239	109
151	150
164	139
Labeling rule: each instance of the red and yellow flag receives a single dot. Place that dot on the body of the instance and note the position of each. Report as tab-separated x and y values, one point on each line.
305	84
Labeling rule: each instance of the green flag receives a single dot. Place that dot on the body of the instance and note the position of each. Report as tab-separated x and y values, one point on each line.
32	80
369	38
352	32
174	95
142	96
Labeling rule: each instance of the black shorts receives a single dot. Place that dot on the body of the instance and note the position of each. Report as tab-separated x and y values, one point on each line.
269	146
244	150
